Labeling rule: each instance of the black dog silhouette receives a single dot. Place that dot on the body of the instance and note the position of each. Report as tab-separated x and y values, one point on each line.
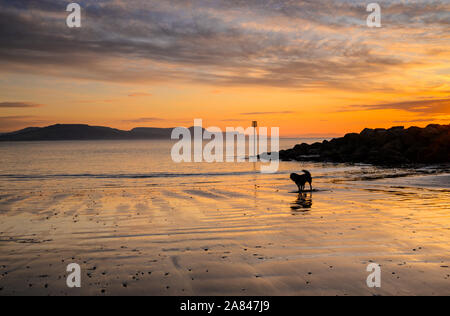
301	180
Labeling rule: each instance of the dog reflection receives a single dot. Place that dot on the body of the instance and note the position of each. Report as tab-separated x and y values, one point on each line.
303	203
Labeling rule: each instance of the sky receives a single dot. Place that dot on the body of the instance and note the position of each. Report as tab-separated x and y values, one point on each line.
310	67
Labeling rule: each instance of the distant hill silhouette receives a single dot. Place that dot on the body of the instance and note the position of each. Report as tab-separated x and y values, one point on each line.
85	132
394	146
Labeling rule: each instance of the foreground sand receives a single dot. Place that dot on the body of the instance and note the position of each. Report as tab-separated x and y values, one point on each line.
227	238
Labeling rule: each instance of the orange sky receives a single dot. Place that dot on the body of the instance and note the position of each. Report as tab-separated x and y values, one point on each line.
319	74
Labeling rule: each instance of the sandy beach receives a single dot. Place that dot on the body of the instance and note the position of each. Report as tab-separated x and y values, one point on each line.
234	235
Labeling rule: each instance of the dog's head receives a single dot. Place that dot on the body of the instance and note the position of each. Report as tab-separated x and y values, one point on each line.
294	176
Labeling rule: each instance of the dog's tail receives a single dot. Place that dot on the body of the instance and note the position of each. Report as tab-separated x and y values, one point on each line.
307	173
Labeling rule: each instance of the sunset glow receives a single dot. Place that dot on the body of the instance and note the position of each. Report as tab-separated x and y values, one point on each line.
310	68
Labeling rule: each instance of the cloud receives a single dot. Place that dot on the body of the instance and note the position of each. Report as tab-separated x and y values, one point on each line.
96	101
234	120
417	121
13	123
140	94
300	44
19	105
144	120
268	113
432	106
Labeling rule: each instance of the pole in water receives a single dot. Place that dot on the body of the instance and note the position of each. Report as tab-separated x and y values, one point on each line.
255	144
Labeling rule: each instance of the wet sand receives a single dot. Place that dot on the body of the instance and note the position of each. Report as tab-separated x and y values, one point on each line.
227	238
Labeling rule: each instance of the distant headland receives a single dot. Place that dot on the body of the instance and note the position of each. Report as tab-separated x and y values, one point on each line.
60	132
394	146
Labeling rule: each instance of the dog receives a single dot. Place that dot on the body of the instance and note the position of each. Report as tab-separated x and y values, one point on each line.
301	180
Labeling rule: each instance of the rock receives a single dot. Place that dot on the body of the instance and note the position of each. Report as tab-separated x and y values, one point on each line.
394	146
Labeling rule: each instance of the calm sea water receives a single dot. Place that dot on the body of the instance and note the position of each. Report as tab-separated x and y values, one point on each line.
96	164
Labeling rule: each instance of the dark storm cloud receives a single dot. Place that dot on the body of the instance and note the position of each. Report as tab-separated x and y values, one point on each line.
229	42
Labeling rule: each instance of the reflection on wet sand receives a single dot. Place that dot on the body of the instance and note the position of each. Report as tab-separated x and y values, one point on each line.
303	203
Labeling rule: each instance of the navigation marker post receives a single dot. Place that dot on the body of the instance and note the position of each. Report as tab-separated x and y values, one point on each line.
255	139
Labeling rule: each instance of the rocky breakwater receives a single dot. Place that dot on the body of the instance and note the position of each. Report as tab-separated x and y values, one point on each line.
394	146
